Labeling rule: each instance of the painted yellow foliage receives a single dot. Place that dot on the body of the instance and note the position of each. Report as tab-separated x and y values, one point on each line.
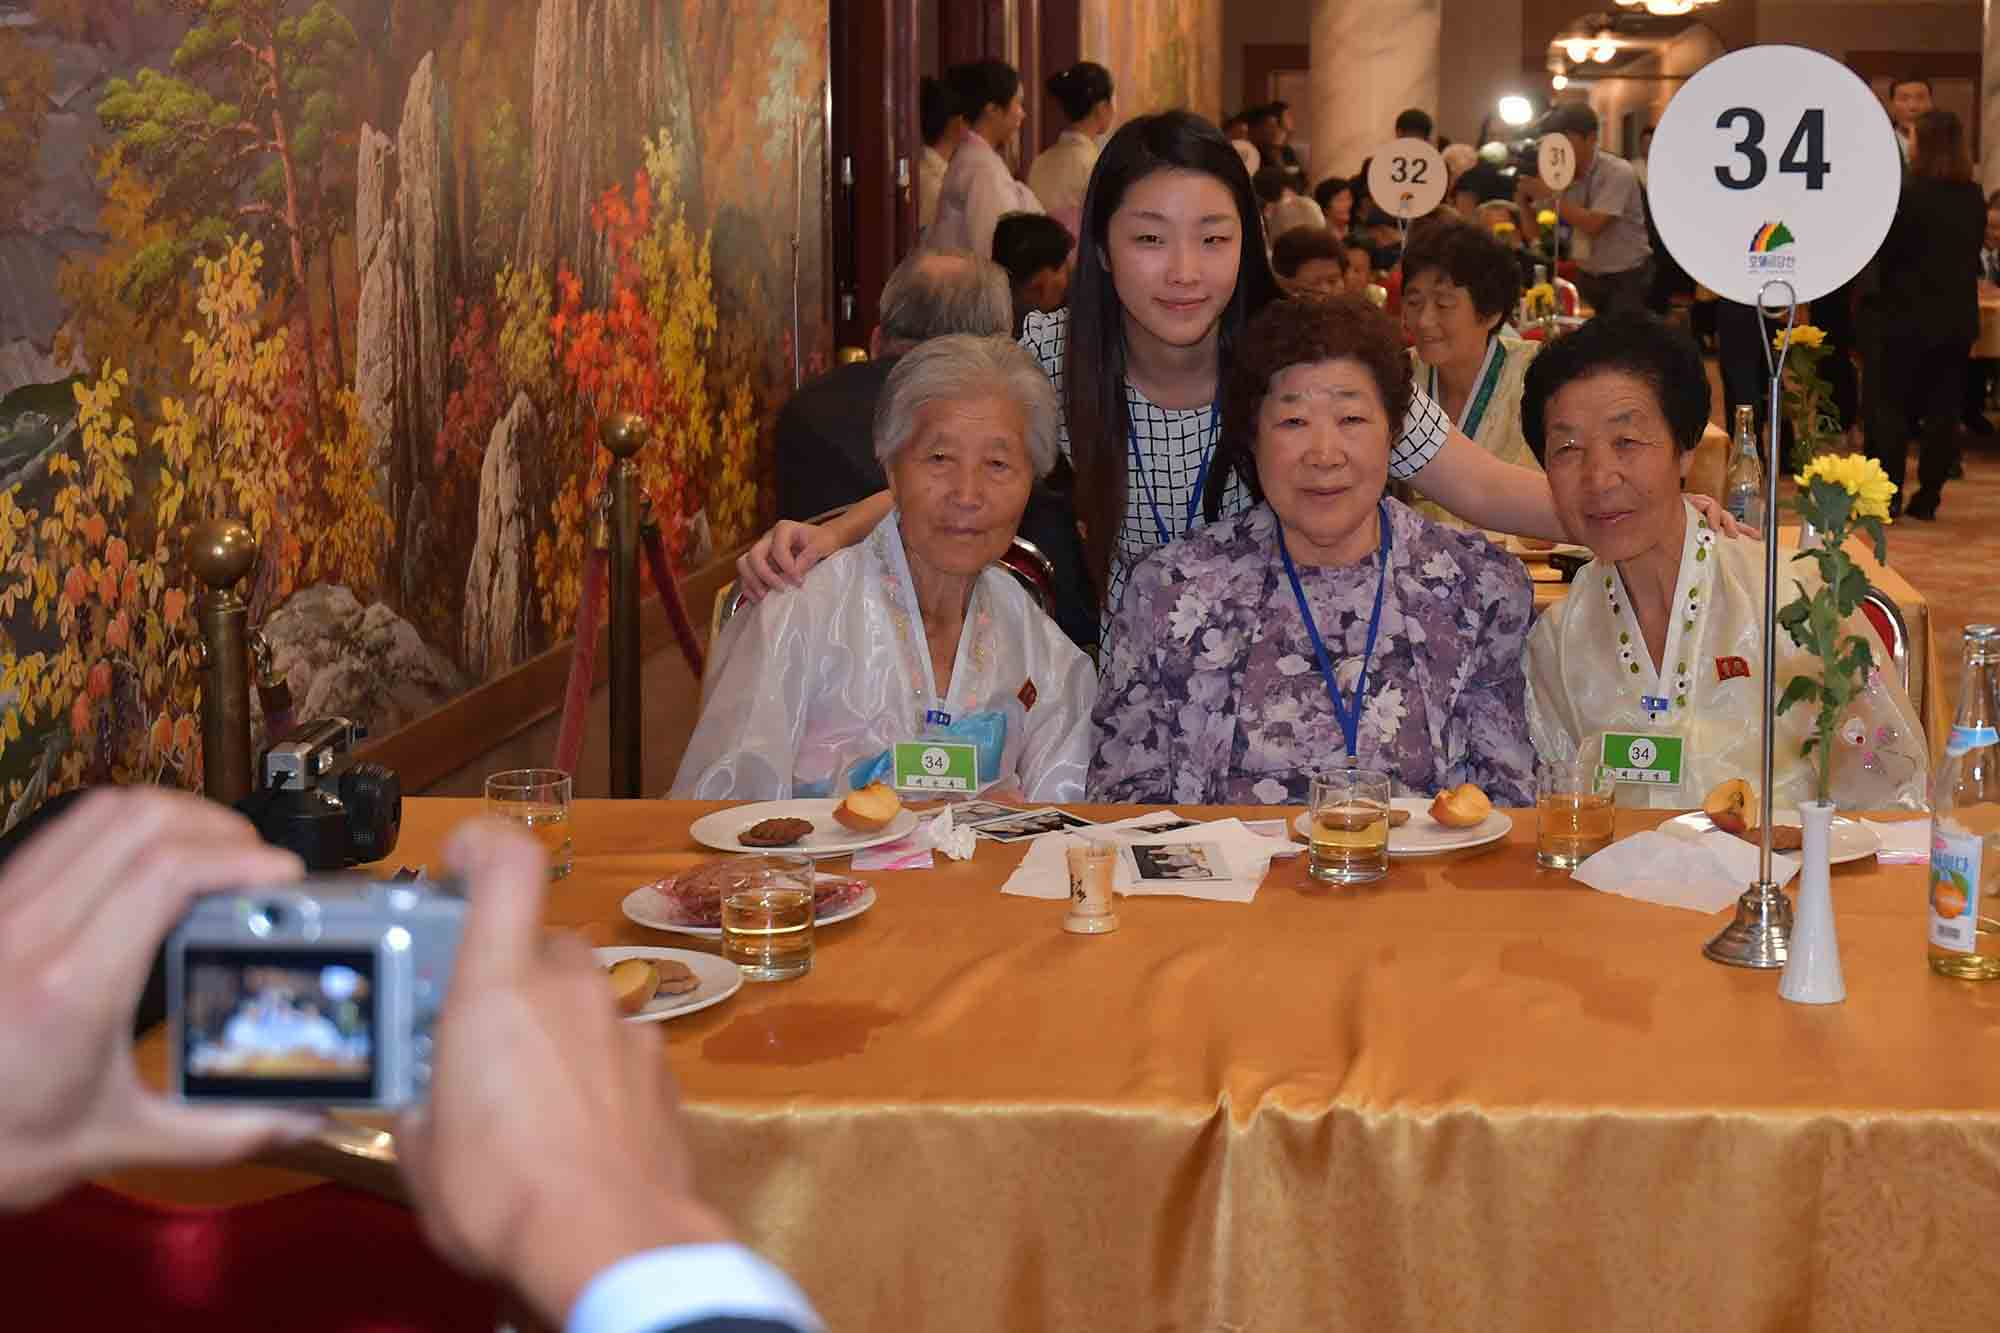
113	686
238	445
119	680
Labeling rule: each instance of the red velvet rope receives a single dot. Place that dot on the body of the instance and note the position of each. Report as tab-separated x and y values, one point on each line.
576	695
669	589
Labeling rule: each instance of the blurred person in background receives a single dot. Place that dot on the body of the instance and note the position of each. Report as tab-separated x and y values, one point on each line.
1910	98
1038	252
1929	311
1335	197
1293	212
943	125
1606	204
1460	285
978	187
1309	260
1061	172
1980	370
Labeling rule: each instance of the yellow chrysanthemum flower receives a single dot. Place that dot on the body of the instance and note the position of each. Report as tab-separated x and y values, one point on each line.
1861	477
1804	335
1546	218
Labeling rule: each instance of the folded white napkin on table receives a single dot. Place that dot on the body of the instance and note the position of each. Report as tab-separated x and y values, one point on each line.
1702	872
1044	870
1905	842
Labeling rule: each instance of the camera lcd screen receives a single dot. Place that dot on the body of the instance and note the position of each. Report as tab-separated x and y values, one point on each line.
279	1025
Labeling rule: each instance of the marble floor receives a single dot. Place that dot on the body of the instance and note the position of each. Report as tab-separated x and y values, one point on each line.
1955	560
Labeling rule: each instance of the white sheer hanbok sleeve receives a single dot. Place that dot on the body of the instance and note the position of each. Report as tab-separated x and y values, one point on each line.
753	714
1055	755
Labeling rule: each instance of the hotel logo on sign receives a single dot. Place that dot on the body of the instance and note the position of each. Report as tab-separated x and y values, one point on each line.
1764	246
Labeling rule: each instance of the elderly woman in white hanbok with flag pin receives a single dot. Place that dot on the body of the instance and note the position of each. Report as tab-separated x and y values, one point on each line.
914	632
1661	637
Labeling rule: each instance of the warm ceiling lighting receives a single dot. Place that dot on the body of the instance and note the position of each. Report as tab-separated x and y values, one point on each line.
1605	48
1666	8
1516	110
1578	48
1559	82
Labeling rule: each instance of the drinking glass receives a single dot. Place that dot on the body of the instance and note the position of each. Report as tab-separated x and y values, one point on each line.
1350	826
1090	867
540	799
1575	808
767	917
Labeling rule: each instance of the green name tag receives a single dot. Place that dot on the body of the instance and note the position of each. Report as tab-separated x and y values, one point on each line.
936	766
1642	757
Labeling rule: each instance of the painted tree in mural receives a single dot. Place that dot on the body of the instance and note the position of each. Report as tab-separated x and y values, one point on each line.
26	76
240	136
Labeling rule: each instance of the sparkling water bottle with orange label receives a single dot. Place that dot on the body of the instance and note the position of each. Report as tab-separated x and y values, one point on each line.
1965	823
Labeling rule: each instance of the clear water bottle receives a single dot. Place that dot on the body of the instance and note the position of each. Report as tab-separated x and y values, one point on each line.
1743	492
1965	823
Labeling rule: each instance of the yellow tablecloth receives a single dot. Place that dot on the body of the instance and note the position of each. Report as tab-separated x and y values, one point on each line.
1472	1096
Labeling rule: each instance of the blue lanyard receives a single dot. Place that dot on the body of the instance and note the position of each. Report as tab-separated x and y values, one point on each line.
1350	719
1200	481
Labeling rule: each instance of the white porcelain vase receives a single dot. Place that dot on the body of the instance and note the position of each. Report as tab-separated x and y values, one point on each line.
1812	963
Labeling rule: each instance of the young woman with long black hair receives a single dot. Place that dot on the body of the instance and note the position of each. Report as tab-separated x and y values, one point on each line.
1170	269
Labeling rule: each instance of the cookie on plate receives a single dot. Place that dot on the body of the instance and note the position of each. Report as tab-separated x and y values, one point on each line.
775	832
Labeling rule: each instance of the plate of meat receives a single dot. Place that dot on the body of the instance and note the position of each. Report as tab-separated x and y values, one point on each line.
690	903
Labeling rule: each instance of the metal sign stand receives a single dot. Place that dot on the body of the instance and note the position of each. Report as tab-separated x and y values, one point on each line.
1760	936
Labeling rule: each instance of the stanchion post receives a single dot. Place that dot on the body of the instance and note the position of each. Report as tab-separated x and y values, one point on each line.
221	551
624	434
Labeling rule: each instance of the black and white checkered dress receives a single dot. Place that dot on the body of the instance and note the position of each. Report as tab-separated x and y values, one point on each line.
1174	441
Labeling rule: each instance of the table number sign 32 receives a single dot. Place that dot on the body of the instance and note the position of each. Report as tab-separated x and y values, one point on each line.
1774	162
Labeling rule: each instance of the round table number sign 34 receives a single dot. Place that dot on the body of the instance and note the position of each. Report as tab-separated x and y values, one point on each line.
1774	163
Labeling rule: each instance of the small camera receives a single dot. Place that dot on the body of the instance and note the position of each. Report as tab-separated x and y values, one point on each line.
313	799
322	993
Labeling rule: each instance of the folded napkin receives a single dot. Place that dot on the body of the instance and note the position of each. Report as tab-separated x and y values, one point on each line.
1702	872
1044	870
913	851
1905	842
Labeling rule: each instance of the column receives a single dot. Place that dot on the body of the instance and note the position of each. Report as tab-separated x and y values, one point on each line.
1370	60
1989	96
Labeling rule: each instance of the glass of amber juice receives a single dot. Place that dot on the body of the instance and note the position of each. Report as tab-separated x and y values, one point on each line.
1349	821
1575	809
539	799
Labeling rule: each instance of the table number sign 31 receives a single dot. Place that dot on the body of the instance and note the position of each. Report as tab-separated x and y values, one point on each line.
1774	162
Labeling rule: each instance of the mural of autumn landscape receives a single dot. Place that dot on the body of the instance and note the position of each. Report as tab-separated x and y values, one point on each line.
367	274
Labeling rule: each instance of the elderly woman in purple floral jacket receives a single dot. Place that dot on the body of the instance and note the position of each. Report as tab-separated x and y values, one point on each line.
1328	622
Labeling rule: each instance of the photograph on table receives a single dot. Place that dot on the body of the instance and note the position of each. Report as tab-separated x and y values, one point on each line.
1031	824
971	814
1178	862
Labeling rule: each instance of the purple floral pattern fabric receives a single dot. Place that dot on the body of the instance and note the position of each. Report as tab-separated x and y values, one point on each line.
1211	693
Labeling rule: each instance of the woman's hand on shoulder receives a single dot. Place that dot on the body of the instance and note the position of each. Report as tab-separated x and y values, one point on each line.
1721	519
781	557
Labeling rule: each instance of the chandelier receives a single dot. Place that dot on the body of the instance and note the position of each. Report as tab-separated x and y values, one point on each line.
1666	8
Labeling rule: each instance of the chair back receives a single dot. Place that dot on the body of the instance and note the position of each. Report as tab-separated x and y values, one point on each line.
1033	571
1890	627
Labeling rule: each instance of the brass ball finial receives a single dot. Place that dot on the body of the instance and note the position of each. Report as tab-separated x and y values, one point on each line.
625	433
221	551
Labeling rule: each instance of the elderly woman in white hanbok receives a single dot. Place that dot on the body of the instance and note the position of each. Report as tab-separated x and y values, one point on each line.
914	632
1662	634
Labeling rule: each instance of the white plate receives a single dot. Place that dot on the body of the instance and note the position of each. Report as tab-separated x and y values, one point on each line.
1847	840
828	838
638	907
719	980
1423	835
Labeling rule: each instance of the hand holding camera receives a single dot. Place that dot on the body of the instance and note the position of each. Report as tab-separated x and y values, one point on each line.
536	1071
82	908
